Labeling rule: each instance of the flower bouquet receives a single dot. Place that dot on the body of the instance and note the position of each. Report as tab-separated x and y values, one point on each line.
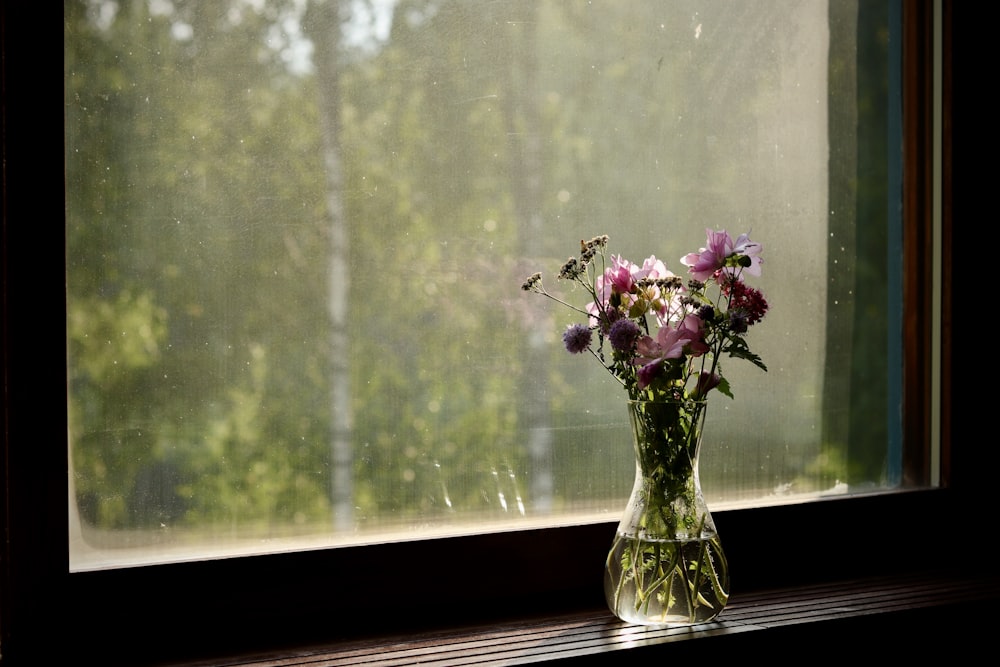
664	340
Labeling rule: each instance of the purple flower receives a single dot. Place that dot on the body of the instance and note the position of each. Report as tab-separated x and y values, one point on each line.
648	374
738	320
606	319
577	338
623	334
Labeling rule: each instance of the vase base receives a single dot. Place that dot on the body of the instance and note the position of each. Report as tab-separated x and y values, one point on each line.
678	622
666	583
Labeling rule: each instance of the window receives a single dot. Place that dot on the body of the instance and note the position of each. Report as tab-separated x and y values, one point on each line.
309	580
266	350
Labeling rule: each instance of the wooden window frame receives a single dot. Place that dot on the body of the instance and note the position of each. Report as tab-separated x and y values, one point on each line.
200	609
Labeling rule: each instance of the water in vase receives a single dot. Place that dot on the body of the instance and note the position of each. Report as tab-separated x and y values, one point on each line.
666	582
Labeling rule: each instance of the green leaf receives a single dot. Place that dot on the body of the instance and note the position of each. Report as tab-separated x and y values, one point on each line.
723	387
738	348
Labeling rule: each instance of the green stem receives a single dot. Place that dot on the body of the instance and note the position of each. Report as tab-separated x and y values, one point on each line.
720	592
695	582
613	567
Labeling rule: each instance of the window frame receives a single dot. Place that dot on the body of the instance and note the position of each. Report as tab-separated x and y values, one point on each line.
261	602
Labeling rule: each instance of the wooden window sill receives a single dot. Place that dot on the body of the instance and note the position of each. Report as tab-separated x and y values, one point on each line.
894	616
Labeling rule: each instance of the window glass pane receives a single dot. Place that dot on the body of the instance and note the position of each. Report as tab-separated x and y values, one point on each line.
297	233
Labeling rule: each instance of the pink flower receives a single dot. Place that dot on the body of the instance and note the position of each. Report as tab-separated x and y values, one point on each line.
619	276
615	280
670	343
620	279
706	383
694	325
652	268
623	275
703	264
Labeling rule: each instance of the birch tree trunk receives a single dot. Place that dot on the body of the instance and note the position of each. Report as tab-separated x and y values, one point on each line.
322	23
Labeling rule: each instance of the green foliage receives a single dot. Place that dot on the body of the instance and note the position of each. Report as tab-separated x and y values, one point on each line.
200	251
737	347
724	389
108	338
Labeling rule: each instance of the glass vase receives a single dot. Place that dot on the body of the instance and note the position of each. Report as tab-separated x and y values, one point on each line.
666	565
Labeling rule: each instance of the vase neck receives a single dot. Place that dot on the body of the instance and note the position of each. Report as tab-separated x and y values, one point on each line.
667	434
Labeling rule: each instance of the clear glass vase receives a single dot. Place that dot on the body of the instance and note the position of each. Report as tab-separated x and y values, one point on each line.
666	565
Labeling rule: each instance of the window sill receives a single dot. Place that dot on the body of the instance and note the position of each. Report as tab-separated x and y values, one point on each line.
876	615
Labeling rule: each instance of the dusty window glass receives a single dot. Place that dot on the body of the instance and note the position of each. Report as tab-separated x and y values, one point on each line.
297	232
